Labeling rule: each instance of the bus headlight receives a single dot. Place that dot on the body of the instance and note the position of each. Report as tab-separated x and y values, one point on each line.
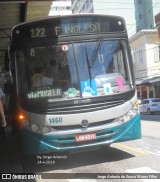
26	123
135	109
121	119
129	115
125	117
34	127
45	130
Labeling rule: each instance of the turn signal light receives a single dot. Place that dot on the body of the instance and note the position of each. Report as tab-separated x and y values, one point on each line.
21	117
138	102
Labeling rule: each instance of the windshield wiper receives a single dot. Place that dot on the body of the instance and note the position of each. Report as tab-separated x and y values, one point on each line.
88	65
96	51
91	62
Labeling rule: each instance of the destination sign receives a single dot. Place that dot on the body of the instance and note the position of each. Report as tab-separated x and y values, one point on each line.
48	30
78	28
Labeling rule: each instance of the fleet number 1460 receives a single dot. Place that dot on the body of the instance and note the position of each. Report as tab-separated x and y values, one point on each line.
55	120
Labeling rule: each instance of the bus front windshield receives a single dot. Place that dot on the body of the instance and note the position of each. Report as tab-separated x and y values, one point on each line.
77	70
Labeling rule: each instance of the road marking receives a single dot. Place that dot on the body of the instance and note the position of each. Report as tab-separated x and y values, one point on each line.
157	152
133	149
144	170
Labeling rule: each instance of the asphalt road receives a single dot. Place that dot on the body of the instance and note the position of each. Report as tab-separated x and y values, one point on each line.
141	156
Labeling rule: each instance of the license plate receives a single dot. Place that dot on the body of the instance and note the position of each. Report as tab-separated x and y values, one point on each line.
85	137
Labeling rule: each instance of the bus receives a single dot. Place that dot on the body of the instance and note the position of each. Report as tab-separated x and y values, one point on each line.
72	83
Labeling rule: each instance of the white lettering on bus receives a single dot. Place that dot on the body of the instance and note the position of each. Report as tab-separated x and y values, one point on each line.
44	93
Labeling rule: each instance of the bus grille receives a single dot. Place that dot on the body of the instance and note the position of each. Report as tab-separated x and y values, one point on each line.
83	108
72	127
101	137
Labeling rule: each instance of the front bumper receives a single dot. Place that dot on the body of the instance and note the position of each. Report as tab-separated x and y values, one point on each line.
34	143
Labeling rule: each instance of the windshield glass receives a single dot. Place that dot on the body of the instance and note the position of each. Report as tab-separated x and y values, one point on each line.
68	71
